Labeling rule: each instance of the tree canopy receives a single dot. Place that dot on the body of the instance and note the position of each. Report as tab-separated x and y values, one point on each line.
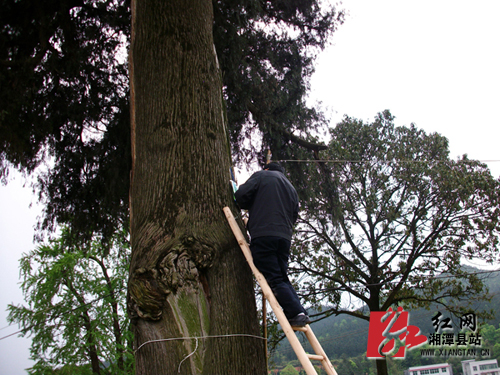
388	218
64	100
266	50
75	307
64	105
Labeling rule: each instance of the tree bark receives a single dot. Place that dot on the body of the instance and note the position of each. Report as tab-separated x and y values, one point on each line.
188	277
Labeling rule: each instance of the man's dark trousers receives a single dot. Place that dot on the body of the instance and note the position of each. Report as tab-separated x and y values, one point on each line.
270	256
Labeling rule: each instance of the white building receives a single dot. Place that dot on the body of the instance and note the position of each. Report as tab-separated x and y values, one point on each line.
438	369
486	367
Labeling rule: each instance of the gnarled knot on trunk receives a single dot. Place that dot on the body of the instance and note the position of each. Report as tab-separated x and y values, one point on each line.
146	295
181	265
178	266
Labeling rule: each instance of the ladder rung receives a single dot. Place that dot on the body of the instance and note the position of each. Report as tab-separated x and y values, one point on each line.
301	329
316	357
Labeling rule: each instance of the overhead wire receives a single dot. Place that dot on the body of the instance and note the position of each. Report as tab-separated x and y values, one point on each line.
299	270
284	160
381	161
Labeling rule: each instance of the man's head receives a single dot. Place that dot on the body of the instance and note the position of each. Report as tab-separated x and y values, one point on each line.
273	166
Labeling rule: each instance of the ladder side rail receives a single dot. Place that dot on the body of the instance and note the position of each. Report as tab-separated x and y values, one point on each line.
318	349
266	289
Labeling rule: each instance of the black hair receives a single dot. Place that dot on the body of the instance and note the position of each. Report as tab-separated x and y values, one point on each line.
273	166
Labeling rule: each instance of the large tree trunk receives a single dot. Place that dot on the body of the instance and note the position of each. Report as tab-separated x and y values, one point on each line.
188	278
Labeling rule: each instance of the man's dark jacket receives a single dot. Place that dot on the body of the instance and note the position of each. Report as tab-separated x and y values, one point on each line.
272	202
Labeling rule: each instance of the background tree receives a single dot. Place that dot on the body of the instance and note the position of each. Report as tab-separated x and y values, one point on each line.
64	103
289	370
64	97
76	308
266	51
491	336
389	220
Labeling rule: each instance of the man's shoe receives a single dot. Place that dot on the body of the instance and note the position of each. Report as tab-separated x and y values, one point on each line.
299	320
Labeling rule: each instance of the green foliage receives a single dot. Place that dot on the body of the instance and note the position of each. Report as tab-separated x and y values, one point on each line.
266	50
390	220
65	96
75	308
289	370
491	336
60	75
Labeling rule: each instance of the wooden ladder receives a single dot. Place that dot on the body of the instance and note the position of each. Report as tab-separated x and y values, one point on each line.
304	358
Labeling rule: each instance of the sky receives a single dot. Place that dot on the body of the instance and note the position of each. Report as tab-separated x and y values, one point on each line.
434	63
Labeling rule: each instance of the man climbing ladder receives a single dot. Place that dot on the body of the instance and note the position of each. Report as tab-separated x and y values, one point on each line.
303	357
273	206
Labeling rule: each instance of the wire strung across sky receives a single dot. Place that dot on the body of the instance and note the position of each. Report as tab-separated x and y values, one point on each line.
381	161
